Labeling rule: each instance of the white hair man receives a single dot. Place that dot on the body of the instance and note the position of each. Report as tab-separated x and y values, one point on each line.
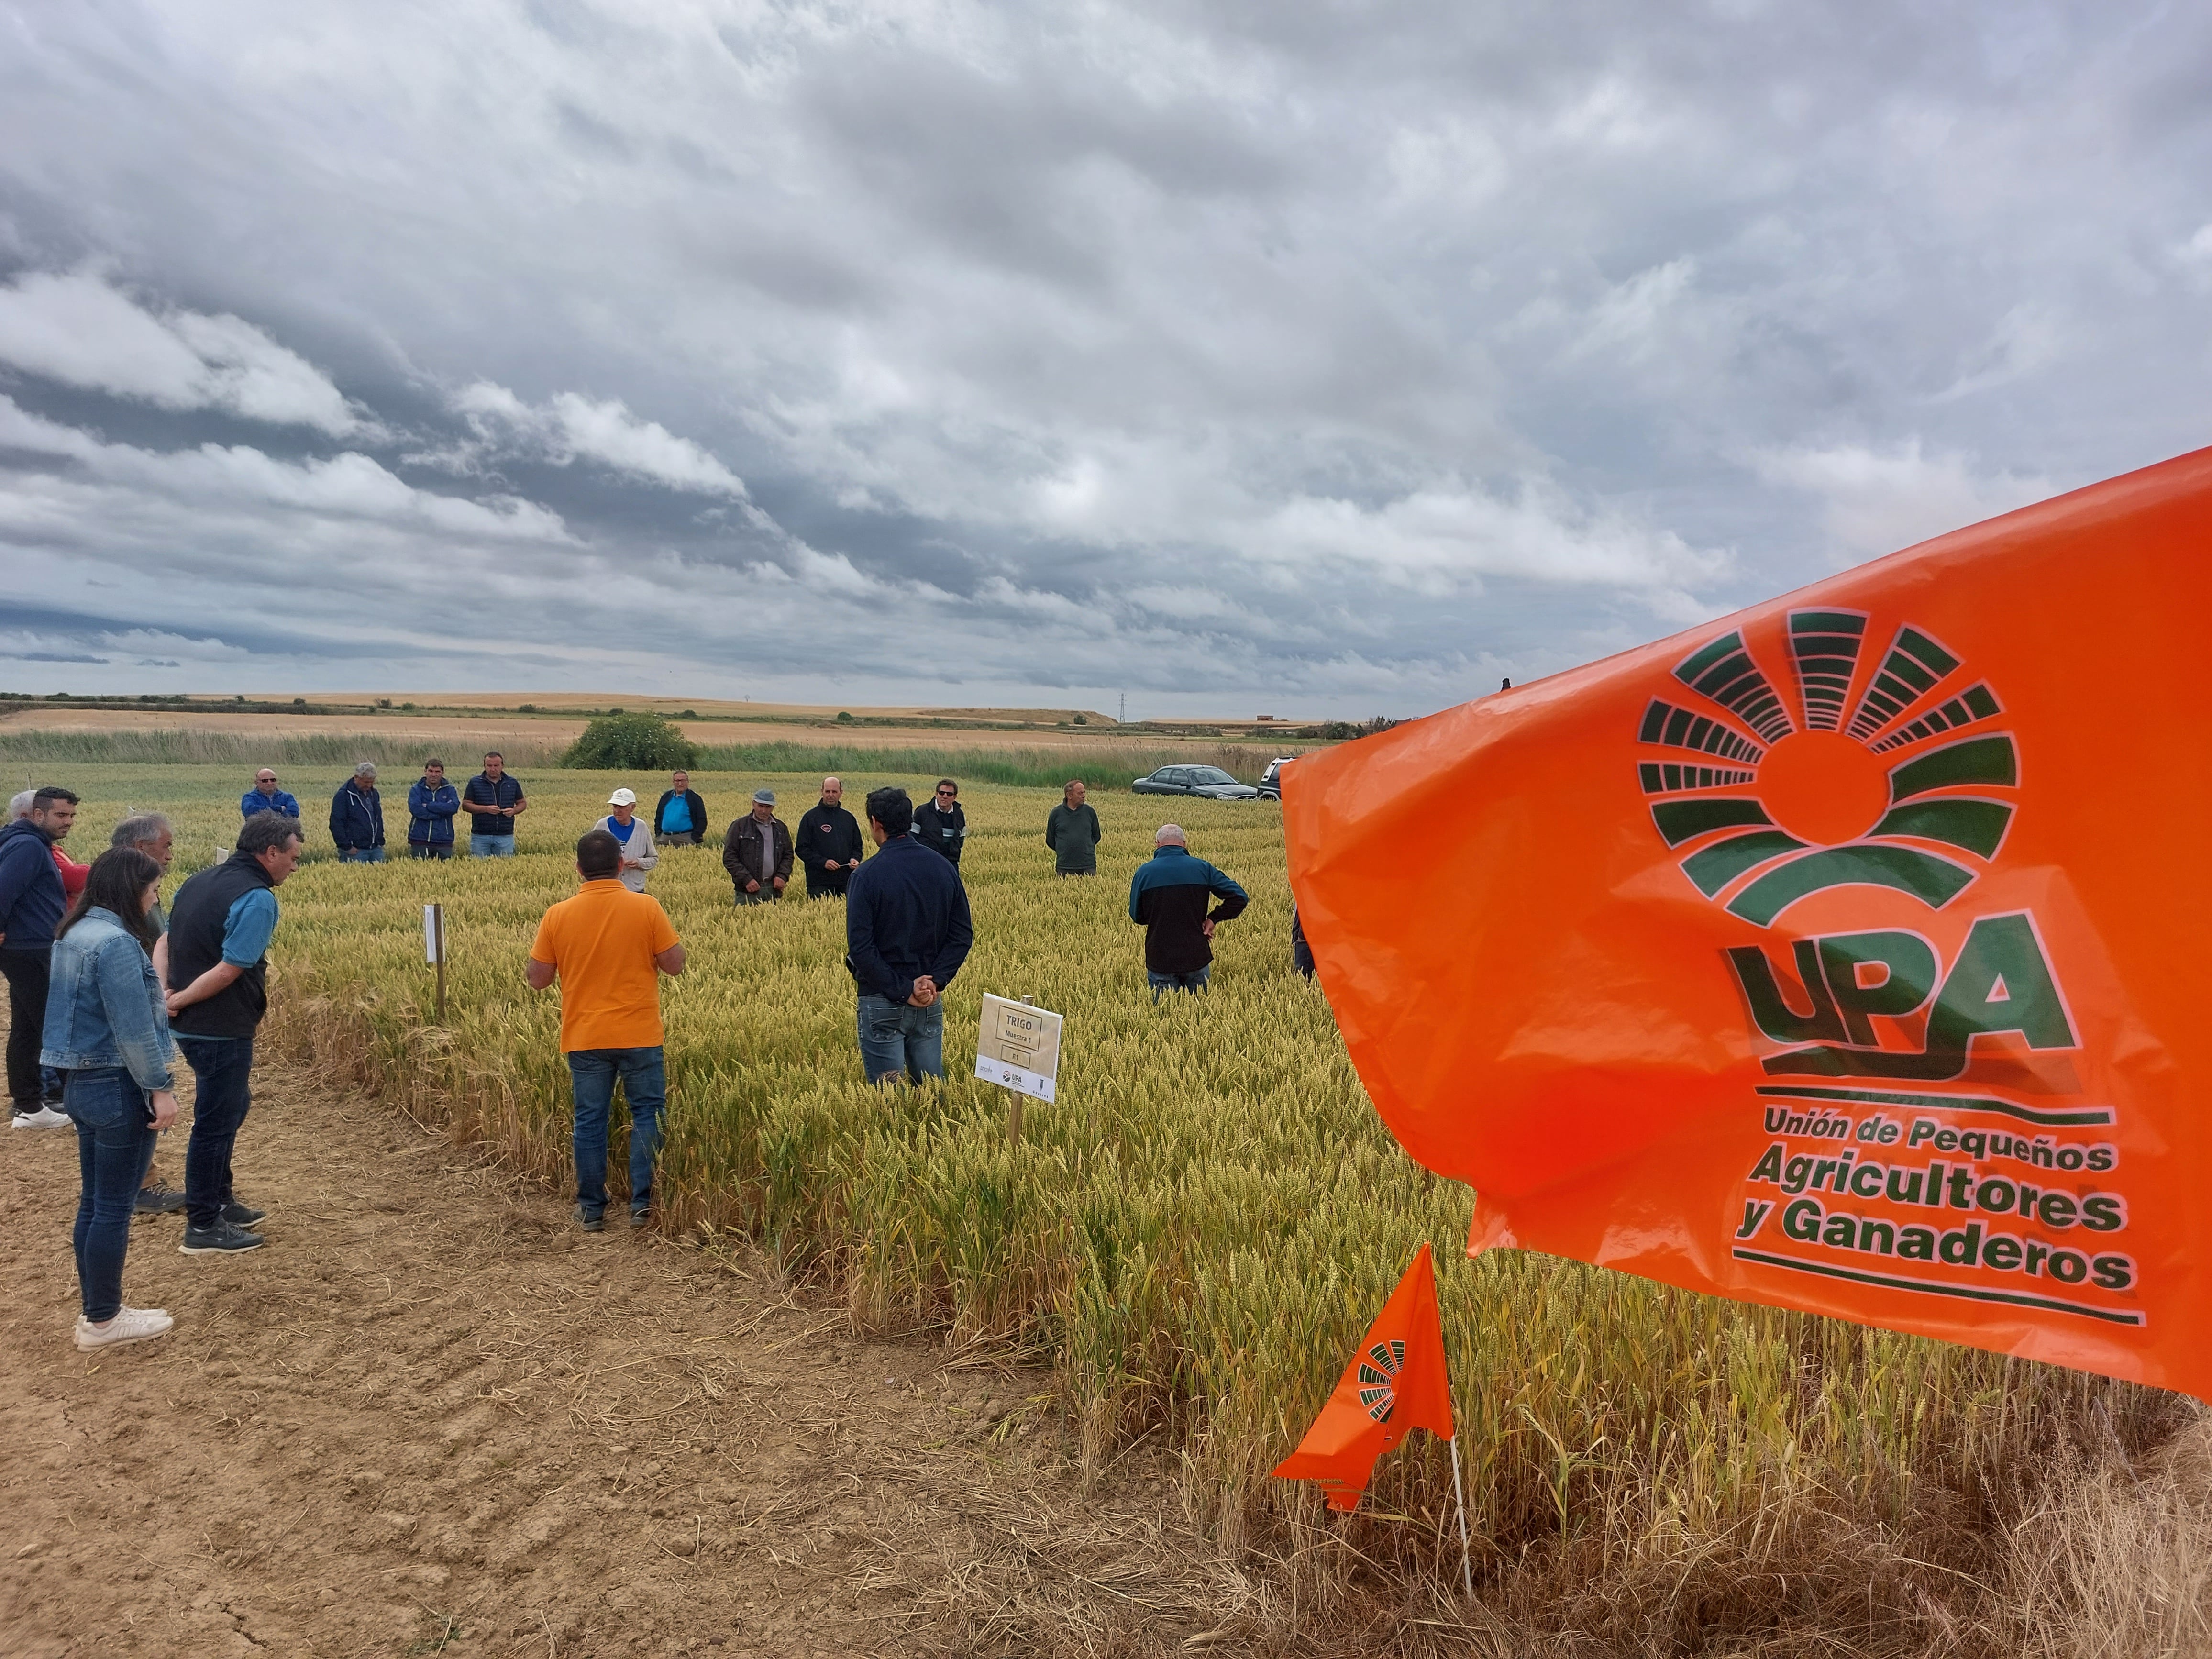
1168	898
357	817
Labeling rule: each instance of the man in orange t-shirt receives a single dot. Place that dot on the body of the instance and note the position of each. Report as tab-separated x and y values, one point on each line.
607	946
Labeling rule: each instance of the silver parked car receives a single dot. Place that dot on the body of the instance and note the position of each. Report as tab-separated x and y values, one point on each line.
1211	781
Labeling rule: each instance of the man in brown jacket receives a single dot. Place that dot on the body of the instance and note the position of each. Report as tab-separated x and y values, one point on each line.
756	852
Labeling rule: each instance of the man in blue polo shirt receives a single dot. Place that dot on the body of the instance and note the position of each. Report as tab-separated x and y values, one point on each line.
493	801
266	797
907	931
220	927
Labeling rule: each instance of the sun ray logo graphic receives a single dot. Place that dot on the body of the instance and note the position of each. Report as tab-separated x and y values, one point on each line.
1773	797
1378	1379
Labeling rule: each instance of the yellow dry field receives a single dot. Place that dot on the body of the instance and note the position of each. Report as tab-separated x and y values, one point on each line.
1195	1235
456	735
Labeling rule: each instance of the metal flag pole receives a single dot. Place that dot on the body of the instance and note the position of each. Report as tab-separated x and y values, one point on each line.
1465	1561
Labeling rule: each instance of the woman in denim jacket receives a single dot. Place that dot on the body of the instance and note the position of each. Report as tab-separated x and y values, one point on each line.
107	1028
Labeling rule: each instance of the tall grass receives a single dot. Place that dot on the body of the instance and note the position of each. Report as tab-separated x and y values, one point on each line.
1103	766
1196	1233
196	746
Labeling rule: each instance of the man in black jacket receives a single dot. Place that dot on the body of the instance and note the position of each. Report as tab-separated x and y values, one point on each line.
31	906
939	825
907	931
829	843
756	852
219	932
679	800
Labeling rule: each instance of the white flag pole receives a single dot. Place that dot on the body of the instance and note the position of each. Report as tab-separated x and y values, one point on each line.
1466	1562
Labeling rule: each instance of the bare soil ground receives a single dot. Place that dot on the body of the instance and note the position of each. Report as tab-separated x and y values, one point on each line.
432	1416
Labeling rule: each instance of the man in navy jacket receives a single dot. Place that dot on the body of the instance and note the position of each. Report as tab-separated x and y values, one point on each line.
1167	897
431	804
357	818
30	904
907	931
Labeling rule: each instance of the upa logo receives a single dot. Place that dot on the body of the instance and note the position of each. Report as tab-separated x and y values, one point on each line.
1774	788
1378	1378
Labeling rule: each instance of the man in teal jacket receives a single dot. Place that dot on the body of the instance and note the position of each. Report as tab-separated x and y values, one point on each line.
1168	898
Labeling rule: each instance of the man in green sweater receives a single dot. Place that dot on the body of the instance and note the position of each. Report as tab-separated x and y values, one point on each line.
1072	834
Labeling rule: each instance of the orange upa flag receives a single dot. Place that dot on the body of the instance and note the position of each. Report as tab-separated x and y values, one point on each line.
1849	953
1395	1385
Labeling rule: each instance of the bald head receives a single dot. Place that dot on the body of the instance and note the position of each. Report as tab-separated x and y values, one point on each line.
833	790
1169	834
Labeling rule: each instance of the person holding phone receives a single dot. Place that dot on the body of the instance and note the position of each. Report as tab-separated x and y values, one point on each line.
107	1032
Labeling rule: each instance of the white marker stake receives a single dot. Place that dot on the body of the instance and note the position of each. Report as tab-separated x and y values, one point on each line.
1017	1048
434	948
1465	1563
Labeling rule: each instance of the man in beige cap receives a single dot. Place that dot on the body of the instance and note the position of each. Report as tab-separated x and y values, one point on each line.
635	837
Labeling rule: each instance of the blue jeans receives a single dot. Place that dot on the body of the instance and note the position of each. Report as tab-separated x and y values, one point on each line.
644	1073
360	855
114	1145
490	847
898	1039
221	1068
1163	983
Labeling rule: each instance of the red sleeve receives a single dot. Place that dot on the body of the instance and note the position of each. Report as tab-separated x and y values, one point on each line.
73	873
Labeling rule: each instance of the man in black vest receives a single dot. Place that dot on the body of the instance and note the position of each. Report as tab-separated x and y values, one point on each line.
828	842
219	932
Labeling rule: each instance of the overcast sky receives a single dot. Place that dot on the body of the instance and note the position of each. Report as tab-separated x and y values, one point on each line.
1258	356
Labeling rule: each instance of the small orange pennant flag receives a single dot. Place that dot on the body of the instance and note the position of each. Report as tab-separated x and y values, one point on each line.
1395	1385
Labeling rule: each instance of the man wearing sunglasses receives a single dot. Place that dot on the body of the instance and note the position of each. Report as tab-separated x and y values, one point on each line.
266	797
939	825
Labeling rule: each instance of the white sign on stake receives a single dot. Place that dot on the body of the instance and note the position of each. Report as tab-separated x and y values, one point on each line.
433	932
1018	1047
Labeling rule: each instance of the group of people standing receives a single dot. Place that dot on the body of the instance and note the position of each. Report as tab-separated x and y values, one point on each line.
493	800
105	991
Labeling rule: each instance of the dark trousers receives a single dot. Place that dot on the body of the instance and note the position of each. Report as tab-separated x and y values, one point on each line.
221	1067
426	850
27	1024
592	1072
827	883
680	837
114	1145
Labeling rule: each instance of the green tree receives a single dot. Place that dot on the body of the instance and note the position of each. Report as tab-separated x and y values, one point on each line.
632	743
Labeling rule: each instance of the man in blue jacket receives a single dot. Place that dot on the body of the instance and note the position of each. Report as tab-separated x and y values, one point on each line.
431	804
31	905
266	797
357	818
1168	898
907	931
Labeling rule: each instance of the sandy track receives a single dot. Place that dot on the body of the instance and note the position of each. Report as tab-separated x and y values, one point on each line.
432	1416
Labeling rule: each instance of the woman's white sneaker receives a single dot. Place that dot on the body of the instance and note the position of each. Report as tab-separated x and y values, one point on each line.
131	1325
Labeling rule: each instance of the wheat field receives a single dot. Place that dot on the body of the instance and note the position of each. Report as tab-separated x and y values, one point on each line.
1196	1233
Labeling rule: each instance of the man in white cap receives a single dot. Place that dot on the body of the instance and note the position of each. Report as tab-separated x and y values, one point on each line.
756	852
635	836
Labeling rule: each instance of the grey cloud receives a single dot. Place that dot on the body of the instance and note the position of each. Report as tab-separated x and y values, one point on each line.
1341	357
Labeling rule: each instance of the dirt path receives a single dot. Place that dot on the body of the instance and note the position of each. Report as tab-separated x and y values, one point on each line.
431	1416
